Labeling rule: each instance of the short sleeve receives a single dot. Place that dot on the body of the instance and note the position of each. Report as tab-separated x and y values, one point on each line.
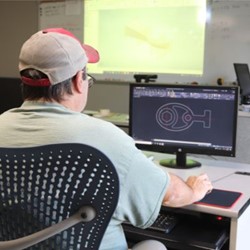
145	187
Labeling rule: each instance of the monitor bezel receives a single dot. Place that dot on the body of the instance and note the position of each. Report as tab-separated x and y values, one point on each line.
172	149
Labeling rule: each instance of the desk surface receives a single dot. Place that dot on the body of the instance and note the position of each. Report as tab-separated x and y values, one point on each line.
222	174
118	119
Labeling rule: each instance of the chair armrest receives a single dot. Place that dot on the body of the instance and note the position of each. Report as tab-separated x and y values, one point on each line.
149	245
85	214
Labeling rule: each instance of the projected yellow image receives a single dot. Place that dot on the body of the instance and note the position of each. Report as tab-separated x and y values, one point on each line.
167	39
146	35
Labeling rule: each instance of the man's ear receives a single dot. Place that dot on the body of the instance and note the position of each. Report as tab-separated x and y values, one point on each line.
78	82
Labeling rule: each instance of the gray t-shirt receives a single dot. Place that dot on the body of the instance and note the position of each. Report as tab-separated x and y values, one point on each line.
142	183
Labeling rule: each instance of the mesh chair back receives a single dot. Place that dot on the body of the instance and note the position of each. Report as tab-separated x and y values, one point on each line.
40	186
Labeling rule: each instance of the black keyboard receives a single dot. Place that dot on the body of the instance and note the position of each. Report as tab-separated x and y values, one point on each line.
165	223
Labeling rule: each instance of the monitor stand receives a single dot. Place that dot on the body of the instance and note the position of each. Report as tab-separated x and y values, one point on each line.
180	162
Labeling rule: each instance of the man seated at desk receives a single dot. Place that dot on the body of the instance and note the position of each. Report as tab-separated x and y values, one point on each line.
55	84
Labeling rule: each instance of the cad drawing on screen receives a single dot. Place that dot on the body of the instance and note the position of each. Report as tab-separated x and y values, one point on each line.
177	117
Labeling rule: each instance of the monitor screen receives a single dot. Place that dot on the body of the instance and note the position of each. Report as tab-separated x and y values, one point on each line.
184	119
243	79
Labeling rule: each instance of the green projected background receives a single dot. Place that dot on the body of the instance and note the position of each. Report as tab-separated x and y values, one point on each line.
139	36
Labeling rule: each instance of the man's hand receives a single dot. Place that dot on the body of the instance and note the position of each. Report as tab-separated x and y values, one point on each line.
181	193
201	185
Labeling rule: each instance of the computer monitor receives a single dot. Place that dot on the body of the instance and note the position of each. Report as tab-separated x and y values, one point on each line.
184	119
243	79
10	94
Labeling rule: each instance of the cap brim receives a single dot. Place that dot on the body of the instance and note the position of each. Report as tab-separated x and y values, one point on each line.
92	54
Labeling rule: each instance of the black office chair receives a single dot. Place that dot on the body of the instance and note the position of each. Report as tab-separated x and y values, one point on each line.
58	196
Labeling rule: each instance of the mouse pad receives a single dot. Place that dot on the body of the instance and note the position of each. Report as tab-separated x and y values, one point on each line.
220	198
